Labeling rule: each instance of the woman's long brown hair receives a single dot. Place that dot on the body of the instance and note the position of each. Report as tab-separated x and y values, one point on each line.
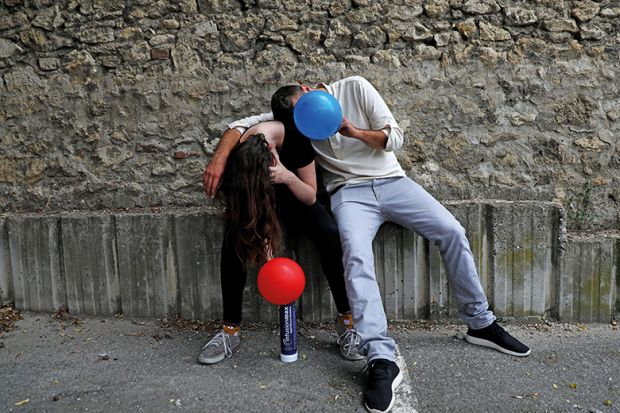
252	226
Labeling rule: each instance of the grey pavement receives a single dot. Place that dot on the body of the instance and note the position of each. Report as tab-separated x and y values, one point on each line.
123	365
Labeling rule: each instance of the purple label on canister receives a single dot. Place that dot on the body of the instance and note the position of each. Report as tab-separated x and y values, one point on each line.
288	330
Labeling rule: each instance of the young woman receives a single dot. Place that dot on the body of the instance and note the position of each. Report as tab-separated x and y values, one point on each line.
270	179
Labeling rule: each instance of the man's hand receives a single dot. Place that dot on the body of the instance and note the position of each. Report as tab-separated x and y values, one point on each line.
376	139
347	128
213	174
216	166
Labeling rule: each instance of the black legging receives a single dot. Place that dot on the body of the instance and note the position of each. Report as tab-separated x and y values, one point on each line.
313	221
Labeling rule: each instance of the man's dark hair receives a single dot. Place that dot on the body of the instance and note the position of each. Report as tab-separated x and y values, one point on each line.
281	105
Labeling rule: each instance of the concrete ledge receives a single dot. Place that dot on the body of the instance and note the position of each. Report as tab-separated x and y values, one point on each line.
589	279
35	248
523	264
90	264
151	264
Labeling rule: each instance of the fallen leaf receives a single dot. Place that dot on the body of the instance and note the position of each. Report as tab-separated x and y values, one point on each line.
573	386
8	317
517	397
555	386
607	402
21	403
262	386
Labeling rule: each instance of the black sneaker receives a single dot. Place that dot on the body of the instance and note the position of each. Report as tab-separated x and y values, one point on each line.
499	339
383	378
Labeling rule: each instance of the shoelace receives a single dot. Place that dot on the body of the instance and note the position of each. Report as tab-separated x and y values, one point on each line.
349	340
221	339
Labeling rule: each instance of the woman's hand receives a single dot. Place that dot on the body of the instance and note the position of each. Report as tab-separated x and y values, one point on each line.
302	185
278	172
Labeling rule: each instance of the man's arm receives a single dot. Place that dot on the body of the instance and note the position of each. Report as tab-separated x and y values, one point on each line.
217	164
376	139
384	131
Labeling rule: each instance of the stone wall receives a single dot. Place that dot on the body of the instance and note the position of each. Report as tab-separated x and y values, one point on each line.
119	104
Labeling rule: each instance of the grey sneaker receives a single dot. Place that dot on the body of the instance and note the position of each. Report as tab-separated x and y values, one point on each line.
219	347
349	342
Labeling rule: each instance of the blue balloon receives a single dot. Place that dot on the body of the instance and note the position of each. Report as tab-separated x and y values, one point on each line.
317	115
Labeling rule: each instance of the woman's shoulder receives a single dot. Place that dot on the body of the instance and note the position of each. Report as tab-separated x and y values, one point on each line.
272	128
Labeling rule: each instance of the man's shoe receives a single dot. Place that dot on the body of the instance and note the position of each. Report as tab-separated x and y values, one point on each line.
348	341
499	339
219	347
383	378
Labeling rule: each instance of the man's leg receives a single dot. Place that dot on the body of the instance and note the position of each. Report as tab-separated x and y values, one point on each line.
408	204
356	211
358	217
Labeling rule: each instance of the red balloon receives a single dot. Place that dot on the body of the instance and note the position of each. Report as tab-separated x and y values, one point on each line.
281	281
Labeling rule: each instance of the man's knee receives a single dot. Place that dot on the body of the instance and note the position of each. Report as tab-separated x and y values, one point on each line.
354	242
451	231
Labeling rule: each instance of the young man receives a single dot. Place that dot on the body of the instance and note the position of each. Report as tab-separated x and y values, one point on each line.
369	187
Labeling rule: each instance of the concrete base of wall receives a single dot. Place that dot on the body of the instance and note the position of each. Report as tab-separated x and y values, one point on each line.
153	264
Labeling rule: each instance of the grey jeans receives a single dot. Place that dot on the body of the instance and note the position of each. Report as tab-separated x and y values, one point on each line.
360	209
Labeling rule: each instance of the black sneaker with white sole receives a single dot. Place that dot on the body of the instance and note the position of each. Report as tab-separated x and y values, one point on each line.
495	337
383	378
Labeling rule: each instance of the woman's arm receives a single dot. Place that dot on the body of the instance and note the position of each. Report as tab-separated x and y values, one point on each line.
302	185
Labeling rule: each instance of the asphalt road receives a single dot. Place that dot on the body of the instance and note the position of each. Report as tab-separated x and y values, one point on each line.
120	365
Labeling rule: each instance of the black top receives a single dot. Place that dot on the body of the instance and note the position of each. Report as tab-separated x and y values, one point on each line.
295	153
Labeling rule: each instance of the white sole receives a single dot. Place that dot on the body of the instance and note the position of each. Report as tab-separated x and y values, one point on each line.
395	384
490	344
